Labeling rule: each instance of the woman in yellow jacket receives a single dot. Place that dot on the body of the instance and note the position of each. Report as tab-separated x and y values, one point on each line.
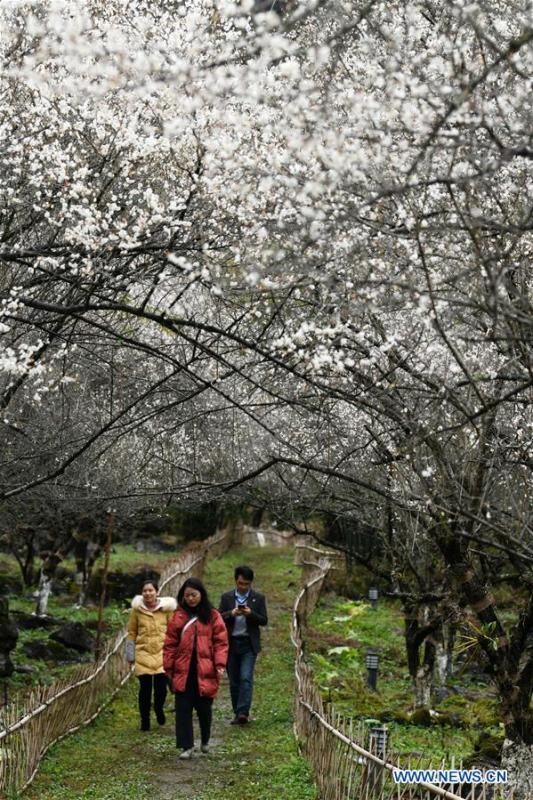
147	627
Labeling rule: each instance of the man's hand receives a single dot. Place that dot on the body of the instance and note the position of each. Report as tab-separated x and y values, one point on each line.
246	611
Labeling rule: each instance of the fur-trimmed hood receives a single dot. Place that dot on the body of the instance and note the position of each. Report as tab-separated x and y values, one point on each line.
166	604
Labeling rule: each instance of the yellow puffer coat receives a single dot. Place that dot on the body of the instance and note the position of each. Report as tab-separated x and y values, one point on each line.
147	629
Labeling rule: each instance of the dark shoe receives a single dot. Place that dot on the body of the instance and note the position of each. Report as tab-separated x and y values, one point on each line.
160	715
234	721
242	719
145	726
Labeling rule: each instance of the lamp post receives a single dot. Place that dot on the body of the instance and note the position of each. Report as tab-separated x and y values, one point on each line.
378	741
372	662
377	745
373	597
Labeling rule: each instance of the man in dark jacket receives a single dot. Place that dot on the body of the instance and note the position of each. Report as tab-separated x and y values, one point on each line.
243	610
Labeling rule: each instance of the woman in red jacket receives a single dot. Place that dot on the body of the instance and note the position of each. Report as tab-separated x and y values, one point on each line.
194	658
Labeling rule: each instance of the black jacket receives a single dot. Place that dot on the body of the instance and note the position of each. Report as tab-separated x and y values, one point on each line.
257	603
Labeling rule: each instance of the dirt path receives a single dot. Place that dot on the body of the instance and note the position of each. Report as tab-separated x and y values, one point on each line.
112	759
176	779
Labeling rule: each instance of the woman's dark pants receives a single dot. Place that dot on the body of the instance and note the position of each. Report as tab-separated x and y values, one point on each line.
159	684
186	702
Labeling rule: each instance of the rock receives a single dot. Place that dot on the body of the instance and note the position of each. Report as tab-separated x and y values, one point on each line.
352	594
421	716
155	546
10	584
121	585
74	635
395	716
25	669
30	622
48	650
6	665
8	639
459	691
155	523
489	745
440	694
449	718
92	624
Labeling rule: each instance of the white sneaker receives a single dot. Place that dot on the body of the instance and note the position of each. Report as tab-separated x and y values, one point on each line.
204	749
185	754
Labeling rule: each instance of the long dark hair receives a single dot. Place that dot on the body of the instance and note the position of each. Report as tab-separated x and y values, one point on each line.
204	608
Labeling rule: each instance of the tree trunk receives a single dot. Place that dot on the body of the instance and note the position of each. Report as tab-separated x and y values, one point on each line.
411	645
441	658
24	554
416	635
48	570
444	642
80	556
8	638
43	593
81	580
517	759
423	684
511	663
450	643
84	572
86	547
103	590
28	573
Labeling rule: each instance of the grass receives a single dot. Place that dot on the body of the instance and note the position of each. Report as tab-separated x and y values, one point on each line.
125	558
261	760
340	633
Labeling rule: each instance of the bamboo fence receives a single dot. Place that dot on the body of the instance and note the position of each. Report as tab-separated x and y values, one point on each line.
30	728
346	757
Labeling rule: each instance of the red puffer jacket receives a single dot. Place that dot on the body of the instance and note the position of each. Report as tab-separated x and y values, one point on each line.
211	651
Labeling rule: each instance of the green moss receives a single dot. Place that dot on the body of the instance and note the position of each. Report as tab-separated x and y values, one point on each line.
339	635
455	702
431	745
489	745
485	712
